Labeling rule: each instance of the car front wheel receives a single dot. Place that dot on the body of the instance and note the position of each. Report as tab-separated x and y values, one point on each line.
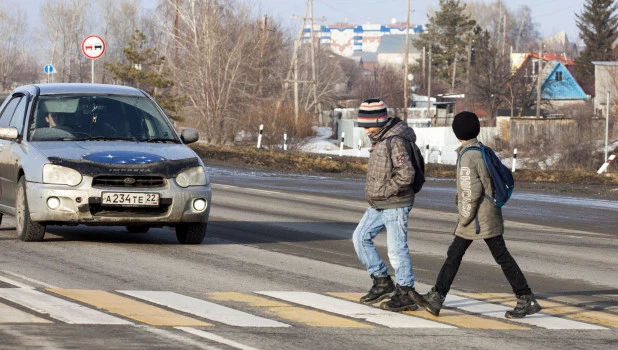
191	233
27	230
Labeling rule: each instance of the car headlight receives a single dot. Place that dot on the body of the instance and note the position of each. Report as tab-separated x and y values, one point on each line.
56	174
193	177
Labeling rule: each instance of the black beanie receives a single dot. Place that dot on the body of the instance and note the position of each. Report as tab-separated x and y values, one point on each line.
466	125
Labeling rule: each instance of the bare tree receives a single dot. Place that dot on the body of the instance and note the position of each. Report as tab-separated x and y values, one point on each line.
65	28
216	67
15	65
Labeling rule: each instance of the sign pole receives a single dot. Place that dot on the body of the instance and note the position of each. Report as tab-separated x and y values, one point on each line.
93	47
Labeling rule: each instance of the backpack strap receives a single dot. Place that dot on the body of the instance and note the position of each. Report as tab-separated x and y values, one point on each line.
406	144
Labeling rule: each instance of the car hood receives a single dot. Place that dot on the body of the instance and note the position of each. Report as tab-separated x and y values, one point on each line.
114	152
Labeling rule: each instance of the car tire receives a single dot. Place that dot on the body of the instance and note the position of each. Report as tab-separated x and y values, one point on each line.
27	230
138	228
191	233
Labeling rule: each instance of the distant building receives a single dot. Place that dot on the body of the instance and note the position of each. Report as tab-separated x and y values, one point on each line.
392	51
348	40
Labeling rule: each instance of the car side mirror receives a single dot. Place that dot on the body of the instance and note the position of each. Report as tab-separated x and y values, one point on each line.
189	136
10	133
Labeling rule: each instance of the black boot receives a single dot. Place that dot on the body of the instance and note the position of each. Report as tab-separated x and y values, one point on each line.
526	305
401	301
432	301
383	287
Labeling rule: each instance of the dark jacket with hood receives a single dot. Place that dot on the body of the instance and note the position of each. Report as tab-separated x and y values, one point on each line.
389	176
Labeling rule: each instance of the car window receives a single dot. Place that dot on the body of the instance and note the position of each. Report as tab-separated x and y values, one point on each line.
9	110
98	117
19	115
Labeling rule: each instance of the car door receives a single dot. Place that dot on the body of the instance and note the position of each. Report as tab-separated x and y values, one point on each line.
13	115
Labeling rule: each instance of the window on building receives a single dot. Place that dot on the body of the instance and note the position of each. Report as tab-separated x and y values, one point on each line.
558	76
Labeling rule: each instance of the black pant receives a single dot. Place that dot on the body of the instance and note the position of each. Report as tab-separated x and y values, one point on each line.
502	256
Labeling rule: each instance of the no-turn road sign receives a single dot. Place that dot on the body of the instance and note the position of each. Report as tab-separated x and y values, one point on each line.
93	46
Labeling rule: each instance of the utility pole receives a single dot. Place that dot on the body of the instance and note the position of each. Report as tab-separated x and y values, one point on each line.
429	85
294	62
263	39
317	103
454	73
405	64
538	82
609	93
468	70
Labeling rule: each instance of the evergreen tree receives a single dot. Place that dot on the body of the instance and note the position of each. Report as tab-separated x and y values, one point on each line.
143	69
448	34
598	28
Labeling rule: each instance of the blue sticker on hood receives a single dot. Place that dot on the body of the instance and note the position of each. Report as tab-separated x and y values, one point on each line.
123	157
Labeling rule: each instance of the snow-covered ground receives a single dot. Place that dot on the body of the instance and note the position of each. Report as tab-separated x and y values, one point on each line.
324	144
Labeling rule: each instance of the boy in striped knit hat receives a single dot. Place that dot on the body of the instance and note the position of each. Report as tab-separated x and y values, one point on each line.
390	196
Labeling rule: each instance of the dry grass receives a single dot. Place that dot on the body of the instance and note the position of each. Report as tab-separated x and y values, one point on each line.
312	163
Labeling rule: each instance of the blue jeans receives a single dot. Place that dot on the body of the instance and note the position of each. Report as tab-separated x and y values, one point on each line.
396	223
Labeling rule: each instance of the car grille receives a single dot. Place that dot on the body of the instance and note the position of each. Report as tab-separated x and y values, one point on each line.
128	181
96	209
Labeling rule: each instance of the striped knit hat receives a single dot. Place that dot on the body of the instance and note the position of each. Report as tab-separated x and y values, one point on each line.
372	112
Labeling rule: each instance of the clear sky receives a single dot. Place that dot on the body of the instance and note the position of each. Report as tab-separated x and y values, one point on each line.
552	16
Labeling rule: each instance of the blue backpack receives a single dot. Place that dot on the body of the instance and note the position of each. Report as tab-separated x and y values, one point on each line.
501	176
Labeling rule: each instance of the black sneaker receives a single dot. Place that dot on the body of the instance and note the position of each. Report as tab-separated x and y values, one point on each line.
526	305
383	287
401	301
432	302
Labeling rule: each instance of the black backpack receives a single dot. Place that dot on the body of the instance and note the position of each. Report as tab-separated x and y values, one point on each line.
418	162
501	176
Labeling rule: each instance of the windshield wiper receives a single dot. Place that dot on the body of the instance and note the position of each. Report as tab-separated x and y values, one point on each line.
158	140
102	138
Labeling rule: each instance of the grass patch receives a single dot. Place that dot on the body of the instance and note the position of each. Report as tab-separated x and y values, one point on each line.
313	163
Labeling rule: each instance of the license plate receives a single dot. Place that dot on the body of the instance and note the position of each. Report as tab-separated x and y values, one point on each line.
130	199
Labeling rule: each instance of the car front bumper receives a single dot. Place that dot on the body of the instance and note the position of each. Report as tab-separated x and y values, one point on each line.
82	205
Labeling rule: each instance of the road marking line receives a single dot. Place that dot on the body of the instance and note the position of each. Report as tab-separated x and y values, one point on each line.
57	308
15	283
558	309
355	310
12	315
204	309
129	308
289	312
448	316
40	283
214	337
496	310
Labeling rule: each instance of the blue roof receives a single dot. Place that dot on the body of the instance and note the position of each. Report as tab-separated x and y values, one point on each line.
559	84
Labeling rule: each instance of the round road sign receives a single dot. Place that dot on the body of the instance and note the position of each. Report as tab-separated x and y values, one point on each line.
49	69
93	46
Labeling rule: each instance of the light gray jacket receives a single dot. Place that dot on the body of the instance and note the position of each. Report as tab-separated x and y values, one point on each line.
479	218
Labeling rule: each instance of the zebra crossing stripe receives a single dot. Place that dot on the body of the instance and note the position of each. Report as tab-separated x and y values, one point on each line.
129	308
355	310
289	312
203	309
12	315
448	316
496	310
57	308
557	309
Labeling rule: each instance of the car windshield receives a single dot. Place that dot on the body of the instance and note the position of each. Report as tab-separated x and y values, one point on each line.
99	117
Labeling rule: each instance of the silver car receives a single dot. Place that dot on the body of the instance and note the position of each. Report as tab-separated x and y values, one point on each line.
97	154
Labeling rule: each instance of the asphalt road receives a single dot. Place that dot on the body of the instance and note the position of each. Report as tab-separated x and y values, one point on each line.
277	269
